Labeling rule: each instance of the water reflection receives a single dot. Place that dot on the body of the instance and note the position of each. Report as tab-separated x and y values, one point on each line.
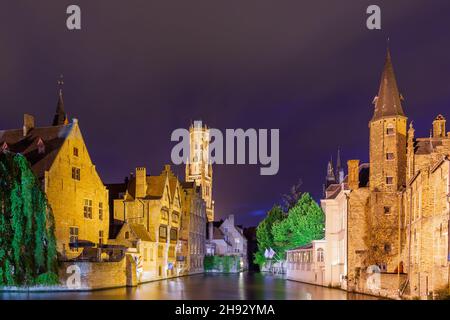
244	286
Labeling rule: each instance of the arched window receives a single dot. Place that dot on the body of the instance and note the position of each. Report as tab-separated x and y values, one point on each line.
320	255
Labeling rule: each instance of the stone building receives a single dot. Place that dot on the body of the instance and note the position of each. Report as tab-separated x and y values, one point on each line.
306	263
398	223
192	231
426	211
60	159
225	238
153	202
199	168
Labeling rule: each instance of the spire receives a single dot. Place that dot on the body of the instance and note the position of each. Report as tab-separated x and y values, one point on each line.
60	117
388	101
339	170
331	178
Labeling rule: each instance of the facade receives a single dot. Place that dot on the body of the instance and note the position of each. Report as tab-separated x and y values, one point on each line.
225	238
153	202
307	263
398	224
192	231
76	194
426	205
199	169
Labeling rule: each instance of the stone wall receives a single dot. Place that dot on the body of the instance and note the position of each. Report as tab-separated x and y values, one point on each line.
93	275
380	284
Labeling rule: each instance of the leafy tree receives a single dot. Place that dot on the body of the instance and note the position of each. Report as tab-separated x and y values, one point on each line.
264	235
305	222
27	240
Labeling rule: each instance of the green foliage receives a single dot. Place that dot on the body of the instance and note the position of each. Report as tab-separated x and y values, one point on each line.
264	235
27	240
221	263
305	222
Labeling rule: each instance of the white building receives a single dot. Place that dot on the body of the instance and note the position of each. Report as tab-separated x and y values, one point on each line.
225	238
335	208
307	263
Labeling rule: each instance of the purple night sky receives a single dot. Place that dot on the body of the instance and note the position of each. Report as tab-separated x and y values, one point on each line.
139	69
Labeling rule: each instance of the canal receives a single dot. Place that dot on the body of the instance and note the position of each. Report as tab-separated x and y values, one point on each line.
244	286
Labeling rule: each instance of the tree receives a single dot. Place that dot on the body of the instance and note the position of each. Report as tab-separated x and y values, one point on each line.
305	222
27	240
291	198
264	235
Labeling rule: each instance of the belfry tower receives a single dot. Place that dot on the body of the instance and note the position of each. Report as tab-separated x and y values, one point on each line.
199	168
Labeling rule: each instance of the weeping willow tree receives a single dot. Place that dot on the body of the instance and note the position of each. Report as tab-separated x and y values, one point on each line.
27	232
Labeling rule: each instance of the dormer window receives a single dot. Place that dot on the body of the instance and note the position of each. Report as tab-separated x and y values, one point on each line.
40	146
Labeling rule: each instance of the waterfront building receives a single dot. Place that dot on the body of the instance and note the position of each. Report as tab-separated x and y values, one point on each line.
225	238
153	202
307	263
76	194
192	230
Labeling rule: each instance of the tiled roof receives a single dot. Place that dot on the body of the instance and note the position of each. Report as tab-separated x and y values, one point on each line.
52	138
140	232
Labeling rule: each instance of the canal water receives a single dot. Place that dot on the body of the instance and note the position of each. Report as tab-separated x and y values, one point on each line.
243	286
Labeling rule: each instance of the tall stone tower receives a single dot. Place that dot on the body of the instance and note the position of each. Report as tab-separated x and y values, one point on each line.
199	168
388	135
387	173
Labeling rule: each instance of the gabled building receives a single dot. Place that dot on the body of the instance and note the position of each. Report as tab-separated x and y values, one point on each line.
225	238
60	159
192	231
153	202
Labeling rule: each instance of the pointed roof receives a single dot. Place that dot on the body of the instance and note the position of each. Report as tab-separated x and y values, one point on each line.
60	117
388	101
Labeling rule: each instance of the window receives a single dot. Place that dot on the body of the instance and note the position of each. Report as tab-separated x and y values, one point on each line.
390	130
172	252
175	217
76	173
73	235
173	234
320	255
387	210
75	152
127	235
87	208
390	156
162	233
100	237
164	215
100	210
160	251
389	180
145	254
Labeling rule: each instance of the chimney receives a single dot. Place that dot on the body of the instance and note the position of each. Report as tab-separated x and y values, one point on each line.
353	174
28	123
210	231
231	219
141	182
439	127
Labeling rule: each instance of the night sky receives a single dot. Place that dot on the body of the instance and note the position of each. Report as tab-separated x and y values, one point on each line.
140	69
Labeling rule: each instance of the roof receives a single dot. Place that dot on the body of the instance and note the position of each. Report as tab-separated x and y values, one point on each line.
426	145
306	246
140	232
52	138
388	101
334	189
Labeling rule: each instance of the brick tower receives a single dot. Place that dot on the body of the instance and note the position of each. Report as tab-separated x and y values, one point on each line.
199	168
